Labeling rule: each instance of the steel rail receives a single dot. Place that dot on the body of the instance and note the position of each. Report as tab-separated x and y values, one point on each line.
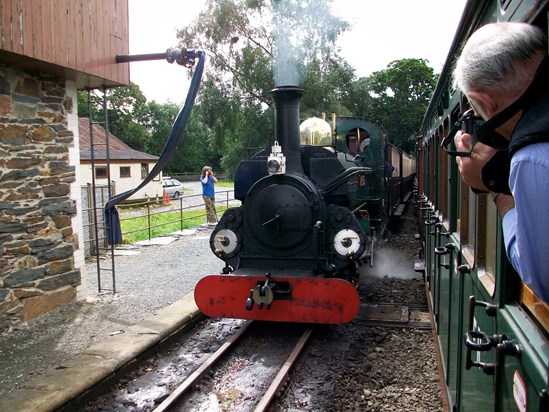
201	371
275	387
280	378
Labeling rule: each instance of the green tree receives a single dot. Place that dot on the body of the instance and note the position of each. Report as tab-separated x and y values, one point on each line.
146	126
398	98
327	88
192	151
245	44
158	120
125	107
359	99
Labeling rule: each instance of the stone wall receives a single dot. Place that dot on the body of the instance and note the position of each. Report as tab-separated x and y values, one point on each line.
37	240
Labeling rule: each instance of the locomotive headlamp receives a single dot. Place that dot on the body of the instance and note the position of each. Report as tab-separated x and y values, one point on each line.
346	242
225	242
276	162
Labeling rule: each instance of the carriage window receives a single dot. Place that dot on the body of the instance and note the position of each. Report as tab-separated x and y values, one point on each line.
431	165
486	246
453	195
491	227
467	206
443	165
469	203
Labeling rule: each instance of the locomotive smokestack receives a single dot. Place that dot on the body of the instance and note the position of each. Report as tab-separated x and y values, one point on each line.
287	99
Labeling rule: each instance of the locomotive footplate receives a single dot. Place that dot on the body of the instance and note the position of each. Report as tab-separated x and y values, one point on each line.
306	300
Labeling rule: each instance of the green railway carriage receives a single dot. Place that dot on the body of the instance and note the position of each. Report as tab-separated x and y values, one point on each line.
492	331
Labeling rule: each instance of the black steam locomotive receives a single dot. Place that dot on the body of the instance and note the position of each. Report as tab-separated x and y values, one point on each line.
311	208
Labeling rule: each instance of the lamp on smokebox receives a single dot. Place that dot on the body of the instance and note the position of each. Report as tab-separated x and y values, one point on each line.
276	162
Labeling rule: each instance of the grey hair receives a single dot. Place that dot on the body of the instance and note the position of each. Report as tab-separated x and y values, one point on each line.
491	55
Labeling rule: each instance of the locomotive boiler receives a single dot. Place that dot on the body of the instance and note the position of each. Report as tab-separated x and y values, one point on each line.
311	207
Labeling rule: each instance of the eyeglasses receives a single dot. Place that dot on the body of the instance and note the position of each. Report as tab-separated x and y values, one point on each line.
468	122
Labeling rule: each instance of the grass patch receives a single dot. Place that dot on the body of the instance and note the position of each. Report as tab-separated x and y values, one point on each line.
135	229
225	184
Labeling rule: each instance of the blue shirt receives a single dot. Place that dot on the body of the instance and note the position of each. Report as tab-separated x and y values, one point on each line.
208	188
526	226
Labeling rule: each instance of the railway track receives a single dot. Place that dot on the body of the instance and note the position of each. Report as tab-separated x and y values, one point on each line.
193	381
218	365
243	365
395	315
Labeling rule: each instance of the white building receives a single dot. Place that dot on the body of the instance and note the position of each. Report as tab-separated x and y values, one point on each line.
128	167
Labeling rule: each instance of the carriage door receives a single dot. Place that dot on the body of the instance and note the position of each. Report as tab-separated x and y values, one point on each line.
479	307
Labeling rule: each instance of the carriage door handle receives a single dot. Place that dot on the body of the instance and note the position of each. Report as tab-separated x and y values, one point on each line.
444	250
477	340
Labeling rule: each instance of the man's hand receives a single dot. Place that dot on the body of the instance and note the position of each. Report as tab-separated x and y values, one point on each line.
470	167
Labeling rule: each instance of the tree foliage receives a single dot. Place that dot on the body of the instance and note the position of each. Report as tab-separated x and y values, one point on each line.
124	107
398	98
146	126
246	42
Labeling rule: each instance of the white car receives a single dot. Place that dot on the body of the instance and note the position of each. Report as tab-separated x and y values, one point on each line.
172	187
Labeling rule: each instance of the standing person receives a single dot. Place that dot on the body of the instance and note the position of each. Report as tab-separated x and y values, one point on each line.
504	72
208	181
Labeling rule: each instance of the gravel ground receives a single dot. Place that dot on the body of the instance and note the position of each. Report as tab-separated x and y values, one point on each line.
359	367
350	367
153	279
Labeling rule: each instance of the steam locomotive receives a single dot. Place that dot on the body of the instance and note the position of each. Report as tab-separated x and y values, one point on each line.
312	207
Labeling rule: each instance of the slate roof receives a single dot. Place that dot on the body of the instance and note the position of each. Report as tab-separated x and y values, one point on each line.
118	150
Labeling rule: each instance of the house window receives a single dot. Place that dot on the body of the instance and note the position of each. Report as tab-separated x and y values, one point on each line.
125	171
100	172
144	170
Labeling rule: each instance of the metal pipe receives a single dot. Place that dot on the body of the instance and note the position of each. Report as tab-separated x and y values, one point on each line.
127	58
287	99
183	57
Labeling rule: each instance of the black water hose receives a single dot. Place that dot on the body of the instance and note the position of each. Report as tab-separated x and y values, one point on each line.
112	221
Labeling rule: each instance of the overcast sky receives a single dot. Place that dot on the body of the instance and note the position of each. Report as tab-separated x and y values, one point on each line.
381	32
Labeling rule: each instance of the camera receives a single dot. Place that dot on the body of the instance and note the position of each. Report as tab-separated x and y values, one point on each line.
469	122
480	130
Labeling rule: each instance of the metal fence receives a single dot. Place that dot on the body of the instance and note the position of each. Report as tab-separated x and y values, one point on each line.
150	208
192	176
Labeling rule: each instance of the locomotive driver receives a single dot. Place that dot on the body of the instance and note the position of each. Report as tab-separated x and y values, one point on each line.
504	72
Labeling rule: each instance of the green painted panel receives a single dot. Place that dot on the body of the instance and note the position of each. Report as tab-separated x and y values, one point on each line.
523	377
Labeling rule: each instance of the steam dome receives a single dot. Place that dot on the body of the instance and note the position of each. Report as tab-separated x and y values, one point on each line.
315	132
